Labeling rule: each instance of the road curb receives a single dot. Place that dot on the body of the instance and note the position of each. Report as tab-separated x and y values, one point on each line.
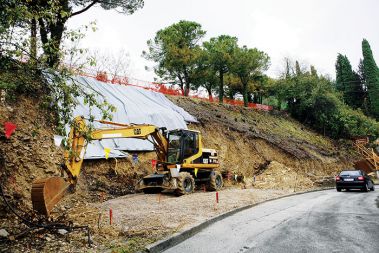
177	238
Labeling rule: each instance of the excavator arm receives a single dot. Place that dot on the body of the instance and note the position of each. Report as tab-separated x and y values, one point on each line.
46	193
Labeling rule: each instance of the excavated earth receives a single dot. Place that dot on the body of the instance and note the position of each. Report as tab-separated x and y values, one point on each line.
263	155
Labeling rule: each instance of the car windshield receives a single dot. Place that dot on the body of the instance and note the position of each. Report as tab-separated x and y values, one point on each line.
350	173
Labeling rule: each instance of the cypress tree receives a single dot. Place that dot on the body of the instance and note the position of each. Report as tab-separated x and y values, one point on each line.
371	74
297	69
348	82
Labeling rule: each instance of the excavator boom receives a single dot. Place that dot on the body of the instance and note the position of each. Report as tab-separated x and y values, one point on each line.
47	192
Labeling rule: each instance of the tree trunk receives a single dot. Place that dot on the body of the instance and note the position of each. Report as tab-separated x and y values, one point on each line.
187	83
221	88
210	95
55	42
245	95
33	41
55	28
256	98
181	84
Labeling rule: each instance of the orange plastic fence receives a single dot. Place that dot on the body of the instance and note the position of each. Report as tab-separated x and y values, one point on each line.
161	88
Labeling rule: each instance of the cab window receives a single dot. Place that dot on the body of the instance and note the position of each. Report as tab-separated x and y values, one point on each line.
191	146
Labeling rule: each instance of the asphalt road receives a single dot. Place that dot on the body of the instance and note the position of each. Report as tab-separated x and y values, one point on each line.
326	221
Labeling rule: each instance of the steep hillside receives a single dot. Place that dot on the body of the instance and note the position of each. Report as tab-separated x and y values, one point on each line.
269	144
250	143
277	151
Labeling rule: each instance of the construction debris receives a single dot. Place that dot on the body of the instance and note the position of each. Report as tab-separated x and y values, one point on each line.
3	233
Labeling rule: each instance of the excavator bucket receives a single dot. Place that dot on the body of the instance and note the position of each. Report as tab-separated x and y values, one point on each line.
47	192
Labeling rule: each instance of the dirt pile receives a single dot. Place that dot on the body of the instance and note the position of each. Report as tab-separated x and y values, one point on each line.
277	175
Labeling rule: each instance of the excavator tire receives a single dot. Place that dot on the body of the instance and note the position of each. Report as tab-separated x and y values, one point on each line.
186	184
215	182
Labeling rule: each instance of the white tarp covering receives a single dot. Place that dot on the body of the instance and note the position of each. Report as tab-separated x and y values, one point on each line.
134	105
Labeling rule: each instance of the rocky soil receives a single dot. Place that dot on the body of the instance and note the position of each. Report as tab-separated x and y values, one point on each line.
270	145
260	150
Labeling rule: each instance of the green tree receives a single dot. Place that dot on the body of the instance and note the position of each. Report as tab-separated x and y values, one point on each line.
348	82
371	74
248	64
205	75
52	16
313	71
298	69
232	85
176	51
220	51
313	100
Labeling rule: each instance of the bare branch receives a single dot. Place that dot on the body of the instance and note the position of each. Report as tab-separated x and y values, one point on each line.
85	9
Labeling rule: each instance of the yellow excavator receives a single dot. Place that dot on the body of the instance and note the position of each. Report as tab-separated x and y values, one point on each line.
182	162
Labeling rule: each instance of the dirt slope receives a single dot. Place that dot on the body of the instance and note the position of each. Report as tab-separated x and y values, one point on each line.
278	151
269	144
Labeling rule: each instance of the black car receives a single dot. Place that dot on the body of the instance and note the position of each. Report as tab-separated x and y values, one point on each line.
354	179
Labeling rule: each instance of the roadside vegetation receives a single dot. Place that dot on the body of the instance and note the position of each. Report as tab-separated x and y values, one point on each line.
34	40
341	108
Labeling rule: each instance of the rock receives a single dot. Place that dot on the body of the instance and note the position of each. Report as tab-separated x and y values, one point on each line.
49	171
62	231
26	138
3	233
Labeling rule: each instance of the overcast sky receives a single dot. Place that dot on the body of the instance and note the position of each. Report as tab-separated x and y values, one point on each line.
313	31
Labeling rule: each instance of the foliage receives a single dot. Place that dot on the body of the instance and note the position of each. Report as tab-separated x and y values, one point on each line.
205	76
313	100
50	18
248	65
371	74
220	51
22	74
348	82
30	65
176	51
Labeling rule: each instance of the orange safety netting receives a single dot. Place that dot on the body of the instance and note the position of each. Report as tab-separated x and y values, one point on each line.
162	88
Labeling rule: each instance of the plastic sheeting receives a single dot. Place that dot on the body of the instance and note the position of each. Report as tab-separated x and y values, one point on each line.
134	105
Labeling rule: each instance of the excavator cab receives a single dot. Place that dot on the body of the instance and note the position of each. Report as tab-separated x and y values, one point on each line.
182	144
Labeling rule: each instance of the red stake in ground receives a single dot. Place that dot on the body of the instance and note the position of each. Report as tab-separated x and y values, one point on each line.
154	164
9	129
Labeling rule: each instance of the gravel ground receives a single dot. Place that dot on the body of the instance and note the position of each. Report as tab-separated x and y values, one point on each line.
145	211
141	219
149	218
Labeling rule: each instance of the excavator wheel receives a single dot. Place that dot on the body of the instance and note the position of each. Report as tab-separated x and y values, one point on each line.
215	182
47	192
186	184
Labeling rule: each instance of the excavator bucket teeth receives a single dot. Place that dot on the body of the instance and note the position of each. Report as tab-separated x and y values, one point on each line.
47	192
